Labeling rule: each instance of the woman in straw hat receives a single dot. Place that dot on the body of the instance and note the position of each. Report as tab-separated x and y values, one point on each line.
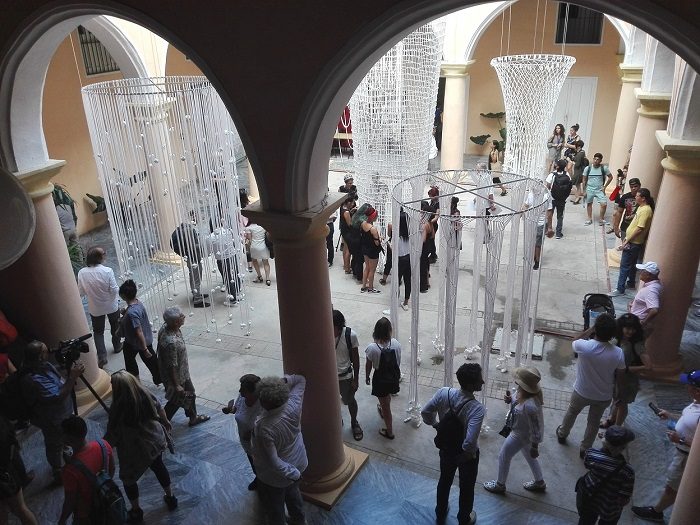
526	431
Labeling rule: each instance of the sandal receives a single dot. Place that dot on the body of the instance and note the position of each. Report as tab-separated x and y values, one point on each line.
199	419
357	432
373	290
382	281
258	280
495	487
383	432
268	282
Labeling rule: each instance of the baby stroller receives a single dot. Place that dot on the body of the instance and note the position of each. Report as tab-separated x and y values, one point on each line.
595	304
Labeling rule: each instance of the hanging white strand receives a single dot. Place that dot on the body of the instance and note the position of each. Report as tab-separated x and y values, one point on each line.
503	22
510	19
544	24
566	24
534	32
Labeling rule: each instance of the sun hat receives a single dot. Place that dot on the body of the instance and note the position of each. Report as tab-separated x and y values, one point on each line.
617	435
649	266
528	378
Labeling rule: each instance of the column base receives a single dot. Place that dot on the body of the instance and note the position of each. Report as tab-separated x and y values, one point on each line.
86	401
667	373
326	492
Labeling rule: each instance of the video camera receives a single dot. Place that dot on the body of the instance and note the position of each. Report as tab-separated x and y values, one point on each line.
68	352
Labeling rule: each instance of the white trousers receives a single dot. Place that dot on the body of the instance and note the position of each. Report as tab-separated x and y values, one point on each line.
510	448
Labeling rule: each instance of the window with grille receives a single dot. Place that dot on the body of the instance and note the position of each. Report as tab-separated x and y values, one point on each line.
584	26
95	56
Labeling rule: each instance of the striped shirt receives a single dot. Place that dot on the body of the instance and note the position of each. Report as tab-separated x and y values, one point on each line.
616	490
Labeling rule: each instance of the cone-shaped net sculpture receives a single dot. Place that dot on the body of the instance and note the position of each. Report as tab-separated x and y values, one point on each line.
166	152
392	117
531	85
473	227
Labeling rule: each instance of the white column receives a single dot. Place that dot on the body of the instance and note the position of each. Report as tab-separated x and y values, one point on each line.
454	120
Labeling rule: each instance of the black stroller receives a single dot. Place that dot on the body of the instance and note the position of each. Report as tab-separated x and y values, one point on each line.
595	304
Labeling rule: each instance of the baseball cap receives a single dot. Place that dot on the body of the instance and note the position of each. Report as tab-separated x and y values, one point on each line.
691	378
617	435
649	266
347	177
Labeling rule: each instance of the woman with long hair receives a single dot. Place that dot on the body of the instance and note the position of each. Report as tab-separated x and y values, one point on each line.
404	251
526	431
555	145
136	428
630	337
571	139
384	356
371	248
259	252
345	224
14	477
428	237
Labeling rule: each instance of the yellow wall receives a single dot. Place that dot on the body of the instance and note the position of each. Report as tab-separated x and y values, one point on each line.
66	131
591	61
176	64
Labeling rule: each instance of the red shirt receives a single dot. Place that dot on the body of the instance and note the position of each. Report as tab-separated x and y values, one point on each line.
75	482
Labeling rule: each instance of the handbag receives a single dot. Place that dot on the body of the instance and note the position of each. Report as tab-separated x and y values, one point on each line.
270	245
508	426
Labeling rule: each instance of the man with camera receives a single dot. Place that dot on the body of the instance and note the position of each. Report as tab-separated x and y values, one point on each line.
682	428
49	397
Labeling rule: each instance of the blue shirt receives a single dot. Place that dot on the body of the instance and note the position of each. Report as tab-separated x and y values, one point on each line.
472	413
135	317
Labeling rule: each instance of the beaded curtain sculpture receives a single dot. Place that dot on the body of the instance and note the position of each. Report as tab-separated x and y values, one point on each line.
166	151
477	226
392	117
531	85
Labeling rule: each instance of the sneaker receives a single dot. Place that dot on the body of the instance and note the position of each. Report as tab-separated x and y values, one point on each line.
649	514
386	312
617	293
170	501
536	266
201	304
504	193
405	307
559	235
495	487
535	486
560	438
222	289
102	363
134	516
603	222
228	302
588	223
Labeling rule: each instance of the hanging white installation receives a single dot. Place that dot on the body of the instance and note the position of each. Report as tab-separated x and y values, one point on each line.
166	151
531	85
471	222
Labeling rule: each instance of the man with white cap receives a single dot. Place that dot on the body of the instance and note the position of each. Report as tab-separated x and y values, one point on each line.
681	436
645	304
348	187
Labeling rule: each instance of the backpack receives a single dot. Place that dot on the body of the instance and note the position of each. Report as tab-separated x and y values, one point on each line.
585	162
348	344
388	372
12	400
108	505
561	186
450	430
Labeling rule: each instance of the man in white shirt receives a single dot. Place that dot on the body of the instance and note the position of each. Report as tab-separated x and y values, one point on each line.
347	358
600	365
97	282
645	304
278	448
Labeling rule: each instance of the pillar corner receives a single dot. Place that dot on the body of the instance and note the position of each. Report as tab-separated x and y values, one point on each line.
37	181
653	104
682	155
631	73
452	70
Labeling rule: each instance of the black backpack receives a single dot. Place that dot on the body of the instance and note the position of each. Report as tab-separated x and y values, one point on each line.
12	400
450	430
585	162
108	505
388	372
561	186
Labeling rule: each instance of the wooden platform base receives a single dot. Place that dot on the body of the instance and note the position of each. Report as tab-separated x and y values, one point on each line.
329	498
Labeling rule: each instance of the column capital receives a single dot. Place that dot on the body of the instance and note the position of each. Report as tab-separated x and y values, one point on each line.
653	105
631	74
448	70
37	181
294	227
682	156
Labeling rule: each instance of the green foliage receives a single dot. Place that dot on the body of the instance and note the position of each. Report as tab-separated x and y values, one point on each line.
99	203
77	257
498	115
480	139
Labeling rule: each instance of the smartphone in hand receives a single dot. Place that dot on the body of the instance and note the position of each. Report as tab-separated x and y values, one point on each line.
654	408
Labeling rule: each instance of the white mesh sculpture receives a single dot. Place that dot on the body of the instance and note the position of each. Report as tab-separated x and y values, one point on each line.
392	117
476	225
166	151
531	85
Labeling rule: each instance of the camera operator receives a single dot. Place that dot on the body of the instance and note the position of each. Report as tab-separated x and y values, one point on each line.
681	434
49	396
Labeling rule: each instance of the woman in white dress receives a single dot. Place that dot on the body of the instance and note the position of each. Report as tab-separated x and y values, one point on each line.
255	234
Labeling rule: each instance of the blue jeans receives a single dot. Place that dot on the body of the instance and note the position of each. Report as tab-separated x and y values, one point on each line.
628	265
467	478
273	500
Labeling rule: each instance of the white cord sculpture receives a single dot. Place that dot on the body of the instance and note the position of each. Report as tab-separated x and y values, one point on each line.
392	114
166	151
478	226
531	85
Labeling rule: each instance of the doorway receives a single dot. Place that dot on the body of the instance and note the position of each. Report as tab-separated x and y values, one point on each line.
575	105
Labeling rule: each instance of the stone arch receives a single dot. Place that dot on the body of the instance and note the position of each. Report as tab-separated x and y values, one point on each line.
317	120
